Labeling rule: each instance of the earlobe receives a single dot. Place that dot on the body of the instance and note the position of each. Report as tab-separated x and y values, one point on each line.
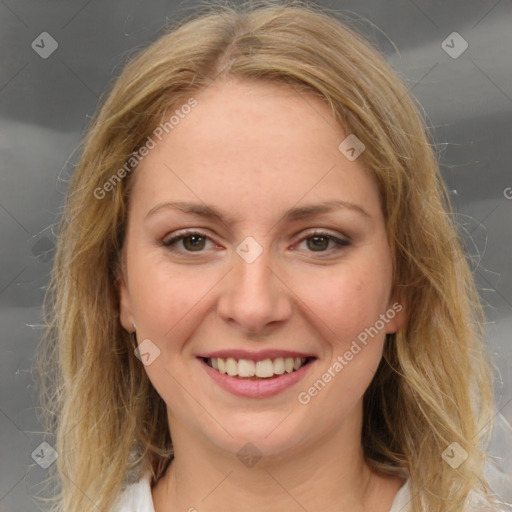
396	315
125	304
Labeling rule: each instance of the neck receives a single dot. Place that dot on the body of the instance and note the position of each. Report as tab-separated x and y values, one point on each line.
312	477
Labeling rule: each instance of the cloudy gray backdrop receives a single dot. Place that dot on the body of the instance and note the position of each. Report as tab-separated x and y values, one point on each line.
46	104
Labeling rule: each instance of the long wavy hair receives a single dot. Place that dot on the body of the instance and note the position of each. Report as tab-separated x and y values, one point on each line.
434	384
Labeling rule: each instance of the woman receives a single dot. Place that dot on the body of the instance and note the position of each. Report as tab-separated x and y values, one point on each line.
259	301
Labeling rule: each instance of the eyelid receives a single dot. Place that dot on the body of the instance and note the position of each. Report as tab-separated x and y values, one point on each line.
323	232
340	240
184	233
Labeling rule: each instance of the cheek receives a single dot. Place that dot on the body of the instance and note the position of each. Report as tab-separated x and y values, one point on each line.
350	309
166	297
350	304
347	300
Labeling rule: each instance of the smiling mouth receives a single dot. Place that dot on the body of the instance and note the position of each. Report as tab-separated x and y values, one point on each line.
254	370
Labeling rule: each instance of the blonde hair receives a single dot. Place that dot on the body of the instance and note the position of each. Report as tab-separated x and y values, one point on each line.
433	386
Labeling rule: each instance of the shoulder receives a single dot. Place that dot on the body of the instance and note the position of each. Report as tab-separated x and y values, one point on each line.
475	502
402	498
136	497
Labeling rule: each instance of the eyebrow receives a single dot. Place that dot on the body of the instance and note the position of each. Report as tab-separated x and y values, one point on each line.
293	214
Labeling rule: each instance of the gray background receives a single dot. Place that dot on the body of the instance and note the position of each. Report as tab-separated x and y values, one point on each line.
46	104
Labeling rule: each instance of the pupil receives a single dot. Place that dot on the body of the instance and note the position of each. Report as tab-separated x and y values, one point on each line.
317	242
194	241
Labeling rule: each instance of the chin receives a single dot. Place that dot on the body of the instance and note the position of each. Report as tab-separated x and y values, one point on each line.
266	434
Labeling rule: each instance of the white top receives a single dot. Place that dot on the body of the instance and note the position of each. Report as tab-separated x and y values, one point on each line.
137	497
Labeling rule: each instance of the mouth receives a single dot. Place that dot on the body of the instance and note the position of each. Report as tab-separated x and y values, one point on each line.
255	370
256	375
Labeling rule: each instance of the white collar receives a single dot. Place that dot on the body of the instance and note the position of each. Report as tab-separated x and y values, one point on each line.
138	498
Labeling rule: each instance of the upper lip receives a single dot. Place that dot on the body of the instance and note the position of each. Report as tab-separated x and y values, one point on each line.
259	355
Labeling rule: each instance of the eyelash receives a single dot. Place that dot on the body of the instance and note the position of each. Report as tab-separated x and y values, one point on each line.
340	243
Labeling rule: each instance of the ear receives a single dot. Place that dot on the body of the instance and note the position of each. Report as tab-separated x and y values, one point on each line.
396	314
126	315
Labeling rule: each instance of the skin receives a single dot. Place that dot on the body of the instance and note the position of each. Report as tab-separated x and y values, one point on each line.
254	150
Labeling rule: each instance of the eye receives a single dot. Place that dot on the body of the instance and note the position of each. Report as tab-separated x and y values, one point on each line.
193	241
319	241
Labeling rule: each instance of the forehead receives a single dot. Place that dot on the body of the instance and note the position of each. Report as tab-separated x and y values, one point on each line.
242	115
257	144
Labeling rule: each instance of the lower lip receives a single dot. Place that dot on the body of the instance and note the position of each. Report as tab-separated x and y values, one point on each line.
261	388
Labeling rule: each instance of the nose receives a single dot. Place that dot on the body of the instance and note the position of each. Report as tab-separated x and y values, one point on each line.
255	297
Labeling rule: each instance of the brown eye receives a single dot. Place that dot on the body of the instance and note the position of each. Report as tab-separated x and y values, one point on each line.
193	242
318	242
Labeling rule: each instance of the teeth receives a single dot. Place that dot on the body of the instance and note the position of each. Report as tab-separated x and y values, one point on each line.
279	366
263	369
246	368
231	367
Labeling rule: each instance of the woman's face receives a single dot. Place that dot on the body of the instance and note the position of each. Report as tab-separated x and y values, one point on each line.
284	260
